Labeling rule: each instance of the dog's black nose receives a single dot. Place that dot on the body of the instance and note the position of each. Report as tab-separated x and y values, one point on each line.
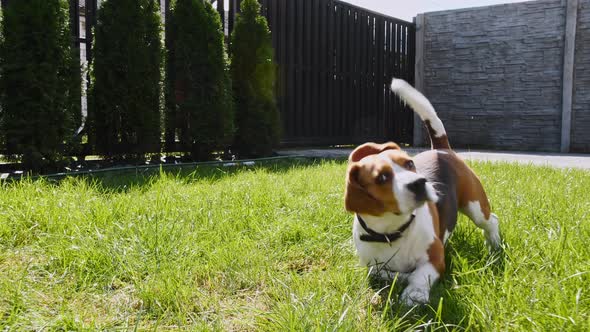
418	187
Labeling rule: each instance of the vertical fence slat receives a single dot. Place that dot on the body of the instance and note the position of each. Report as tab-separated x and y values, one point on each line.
342	70
74	23
316	70
404	50
300	91
322	69
410	119
355	120
307	65
372	65
283	77
400	72
292	72
274	15
91	13
220	10
358	110
400	50
339	117
232	17
365	45
380	72
331	83
396	50
387	75
392	97
398	103
351	121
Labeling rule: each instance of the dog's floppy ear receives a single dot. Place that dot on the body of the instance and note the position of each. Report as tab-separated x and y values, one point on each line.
356	197
368	149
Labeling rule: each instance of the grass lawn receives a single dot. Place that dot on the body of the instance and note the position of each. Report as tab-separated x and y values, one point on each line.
269	248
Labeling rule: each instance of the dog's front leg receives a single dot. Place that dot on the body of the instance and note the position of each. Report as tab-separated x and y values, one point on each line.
419	283
425	274
388	275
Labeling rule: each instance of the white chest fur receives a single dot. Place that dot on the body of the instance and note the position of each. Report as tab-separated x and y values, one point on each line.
403	255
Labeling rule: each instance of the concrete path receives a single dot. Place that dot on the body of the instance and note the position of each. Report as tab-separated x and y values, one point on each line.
536	158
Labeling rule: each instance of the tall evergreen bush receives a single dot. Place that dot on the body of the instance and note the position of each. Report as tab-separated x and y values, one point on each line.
40	81
253	78
124	105
199	103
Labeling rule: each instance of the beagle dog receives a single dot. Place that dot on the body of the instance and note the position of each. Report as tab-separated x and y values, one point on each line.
406	208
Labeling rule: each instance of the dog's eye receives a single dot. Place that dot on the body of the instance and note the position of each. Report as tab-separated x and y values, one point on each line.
383	178
410	165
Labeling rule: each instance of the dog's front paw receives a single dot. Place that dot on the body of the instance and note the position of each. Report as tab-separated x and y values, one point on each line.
413	295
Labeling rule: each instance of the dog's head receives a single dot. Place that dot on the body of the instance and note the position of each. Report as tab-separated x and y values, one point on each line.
382	178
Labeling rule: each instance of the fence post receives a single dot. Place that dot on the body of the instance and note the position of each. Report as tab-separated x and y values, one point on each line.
568	73
91	8
231	18
419	20
75	23
234	9
221	11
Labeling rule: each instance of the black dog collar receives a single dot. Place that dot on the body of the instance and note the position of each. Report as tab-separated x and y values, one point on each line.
380	237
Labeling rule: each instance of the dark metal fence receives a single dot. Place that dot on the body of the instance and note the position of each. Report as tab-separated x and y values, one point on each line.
336	61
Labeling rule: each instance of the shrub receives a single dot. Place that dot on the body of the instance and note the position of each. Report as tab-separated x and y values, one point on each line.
124	105
40	82
199	103
254	73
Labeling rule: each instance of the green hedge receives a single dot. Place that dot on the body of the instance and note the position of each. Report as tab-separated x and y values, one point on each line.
199	103
254	74
40	82
124	98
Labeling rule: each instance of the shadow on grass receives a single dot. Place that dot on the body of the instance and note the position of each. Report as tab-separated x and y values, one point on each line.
444	309
447	309
123	180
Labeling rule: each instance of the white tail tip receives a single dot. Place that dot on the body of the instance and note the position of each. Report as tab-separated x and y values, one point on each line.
397	85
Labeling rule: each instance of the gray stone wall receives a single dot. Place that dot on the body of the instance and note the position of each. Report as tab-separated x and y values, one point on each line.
494	74
581	99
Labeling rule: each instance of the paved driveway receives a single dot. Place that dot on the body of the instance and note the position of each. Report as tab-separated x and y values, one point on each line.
536	158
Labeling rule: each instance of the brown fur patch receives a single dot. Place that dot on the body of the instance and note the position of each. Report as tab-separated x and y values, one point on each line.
437	142
401	158
451	170
369	182
469	187
368	149
435	220
358	199
436	255
369	185
365	192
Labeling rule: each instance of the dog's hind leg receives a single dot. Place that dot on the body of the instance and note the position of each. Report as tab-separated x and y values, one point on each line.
477	208
473	202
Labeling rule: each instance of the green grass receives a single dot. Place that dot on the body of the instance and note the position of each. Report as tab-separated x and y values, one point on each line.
270	248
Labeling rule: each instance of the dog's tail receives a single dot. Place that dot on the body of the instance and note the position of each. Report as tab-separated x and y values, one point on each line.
422	107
